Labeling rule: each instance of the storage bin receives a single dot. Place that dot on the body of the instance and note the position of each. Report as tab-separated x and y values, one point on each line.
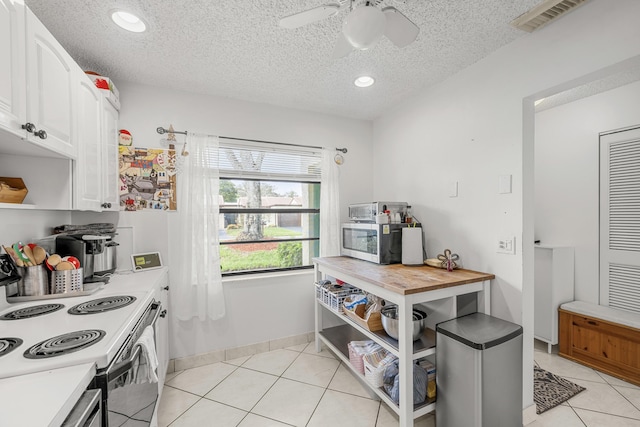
358	349
333	295
375	365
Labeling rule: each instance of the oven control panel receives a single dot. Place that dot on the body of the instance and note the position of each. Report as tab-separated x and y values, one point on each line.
8	271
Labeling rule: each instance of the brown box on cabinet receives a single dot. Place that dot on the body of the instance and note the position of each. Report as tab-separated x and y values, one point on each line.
12	190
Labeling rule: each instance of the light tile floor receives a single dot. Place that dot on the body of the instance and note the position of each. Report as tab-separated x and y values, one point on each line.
298	387
606	402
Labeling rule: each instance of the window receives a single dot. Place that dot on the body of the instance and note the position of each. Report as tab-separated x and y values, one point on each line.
269	207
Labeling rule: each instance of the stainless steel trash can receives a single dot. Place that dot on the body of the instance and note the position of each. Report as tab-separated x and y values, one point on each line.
478	372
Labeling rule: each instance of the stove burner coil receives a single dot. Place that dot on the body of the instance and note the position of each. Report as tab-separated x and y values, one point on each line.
101	305
64	344
27	312
7	345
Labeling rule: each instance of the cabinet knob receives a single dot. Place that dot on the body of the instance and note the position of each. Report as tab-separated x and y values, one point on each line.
163	313
166	288
42	134
106	205
29	127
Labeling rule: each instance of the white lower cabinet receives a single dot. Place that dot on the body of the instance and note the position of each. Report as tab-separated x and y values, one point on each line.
553	286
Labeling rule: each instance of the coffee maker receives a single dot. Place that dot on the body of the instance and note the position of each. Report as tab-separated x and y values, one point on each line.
96	253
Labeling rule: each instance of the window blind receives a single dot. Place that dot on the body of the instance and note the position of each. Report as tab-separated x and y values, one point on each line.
260	161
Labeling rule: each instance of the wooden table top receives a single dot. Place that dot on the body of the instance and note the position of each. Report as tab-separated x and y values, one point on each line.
403	279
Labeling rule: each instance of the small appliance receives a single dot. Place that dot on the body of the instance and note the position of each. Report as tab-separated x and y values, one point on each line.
367	212
8	271
97	254
379	243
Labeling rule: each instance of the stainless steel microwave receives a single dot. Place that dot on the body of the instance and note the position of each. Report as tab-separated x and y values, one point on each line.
379	243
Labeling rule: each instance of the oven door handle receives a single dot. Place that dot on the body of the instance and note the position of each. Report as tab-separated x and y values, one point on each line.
127	365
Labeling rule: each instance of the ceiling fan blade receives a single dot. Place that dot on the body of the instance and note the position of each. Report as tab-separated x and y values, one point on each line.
343	47
308	16
400	30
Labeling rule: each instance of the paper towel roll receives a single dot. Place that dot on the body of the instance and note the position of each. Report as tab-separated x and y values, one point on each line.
412	246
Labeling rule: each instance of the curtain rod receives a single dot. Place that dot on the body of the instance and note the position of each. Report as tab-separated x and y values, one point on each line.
162	130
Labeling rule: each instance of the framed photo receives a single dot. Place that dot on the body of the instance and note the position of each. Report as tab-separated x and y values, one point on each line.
146	261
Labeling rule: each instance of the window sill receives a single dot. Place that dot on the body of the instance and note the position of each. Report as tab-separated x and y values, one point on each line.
258	276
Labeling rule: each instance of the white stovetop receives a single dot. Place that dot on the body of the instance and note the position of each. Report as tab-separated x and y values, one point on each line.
116	323
53	386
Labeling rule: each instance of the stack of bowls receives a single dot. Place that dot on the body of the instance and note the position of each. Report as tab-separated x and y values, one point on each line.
390	321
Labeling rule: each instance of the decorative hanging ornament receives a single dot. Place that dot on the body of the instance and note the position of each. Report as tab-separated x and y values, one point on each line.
125	138
338	159
448	260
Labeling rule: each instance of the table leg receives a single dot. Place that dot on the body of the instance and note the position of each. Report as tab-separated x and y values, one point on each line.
405	347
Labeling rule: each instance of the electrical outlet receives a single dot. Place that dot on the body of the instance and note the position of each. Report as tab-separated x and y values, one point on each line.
506	245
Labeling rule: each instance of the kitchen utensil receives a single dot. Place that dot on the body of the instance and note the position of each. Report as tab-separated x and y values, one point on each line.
390	321
34	281
52	261
64	265
29	254
73	260
39	254
21	255
14	256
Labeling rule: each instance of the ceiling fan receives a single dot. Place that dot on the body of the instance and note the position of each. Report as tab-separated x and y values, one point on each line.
366	23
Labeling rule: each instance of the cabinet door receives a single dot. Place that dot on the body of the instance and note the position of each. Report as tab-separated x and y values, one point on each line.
87	175
50	89
12	79
110	174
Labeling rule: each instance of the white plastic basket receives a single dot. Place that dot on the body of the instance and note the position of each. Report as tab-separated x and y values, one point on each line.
374	367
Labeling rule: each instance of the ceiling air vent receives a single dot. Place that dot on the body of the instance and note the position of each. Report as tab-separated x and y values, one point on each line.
545	12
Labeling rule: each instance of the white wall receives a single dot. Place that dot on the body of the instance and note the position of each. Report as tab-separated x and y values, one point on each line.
259	308
567	176
26	225
469	129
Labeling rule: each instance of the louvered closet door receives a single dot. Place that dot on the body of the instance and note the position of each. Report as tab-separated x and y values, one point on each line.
620	219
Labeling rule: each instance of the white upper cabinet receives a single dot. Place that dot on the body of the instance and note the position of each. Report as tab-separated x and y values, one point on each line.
87	169
51	89
95	172
12	78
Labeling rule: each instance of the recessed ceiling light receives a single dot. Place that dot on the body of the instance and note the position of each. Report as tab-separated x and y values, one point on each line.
128	21
364	81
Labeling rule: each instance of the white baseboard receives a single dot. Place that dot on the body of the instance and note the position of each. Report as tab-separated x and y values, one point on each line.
237	352
529	415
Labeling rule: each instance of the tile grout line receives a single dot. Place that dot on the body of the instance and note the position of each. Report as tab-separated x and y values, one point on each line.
323	393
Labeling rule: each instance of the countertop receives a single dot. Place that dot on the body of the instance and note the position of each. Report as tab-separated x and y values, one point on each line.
44	398
402	279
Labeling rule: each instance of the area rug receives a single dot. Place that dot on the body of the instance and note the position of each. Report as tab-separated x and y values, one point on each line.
550	390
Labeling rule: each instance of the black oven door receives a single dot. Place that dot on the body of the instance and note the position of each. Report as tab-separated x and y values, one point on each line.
128	398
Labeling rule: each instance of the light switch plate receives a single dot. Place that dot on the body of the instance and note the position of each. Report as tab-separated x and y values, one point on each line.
453	189
504	184
506	245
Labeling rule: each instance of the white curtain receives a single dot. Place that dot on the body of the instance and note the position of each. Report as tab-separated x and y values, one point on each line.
329	205
200	292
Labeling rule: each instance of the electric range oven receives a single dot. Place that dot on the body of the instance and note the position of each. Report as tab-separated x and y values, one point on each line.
43	335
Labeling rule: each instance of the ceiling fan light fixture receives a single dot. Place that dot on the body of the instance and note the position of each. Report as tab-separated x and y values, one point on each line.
364	26
364	81
128	21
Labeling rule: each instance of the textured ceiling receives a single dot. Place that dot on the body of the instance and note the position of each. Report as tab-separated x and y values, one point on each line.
235	48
